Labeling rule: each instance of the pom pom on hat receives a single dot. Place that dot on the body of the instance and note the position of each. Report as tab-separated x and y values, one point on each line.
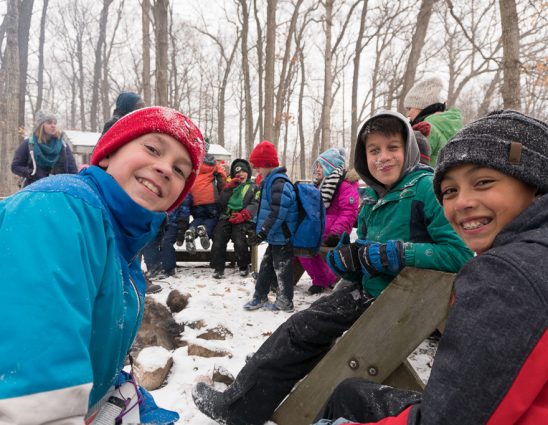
155	119
422	131
42	116
424	93
331	159
264	155
508	141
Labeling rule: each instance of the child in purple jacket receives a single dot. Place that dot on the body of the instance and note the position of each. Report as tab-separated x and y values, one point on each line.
339	191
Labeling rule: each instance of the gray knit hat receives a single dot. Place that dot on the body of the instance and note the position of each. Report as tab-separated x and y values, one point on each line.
424	93
508	141
42	116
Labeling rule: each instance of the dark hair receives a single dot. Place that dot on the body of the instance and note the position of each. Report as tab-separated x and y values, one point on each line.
387	125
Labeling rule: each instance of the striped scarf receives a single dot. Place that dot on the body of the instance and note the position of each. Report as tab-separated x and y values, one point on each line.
330	184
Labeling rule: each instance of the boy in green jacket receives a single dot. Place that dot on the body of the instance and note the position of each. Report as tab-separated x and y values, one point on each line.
401	224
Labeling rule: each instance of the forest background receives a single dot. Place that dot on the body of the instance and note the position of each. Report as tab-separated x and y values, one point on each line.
301	73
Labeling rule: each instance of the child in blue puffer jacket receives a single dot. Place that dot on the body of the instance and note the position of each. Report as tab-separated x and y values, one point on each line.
72	293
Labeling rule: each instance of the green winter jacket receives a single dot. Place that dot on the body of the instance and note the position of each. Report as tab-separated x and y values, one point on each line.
444	126
410	212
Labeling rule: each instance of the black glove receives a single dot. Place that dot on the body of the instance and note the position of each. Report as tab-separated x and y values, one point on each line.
254	239
331	240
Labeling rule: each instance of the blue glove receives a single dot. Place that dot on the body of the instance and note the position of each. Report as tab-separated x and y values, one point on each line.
378	258
344	260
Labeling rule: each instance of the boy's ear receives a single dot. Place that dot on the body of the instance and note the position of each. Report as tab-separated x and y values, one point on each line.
104	162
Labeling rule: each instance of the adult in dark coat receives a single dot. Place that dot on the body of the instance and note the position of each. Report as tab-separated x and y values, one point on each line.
126	102
43	153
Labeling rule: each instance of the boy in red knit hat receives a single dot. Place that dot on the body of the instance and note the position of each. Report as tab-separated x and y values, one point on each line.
276	222
69	339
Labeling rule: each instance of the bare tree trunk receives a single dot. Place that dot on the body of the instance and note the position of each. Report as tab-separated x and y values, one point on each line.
260	70
300	118
282	86
161	8
98	67
328	79
355	84
81	79
9	104
488	96
510	47
25	15
247	80
40	84
270	53
105	85
145	8
417	42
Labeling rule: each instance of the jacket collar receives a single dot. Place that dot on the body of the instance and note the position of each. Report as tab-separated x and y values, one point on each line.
134	226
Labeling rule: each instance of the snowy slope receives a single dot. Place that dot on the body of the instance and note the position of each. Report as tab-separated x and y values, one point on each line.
219	302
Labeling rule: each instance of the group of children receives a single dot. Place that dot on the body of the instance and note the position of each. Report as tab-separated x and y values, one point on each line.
72	301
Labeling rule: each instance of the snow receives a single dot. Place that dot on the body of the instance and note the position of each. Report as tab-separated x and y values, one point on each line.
219	302
153	358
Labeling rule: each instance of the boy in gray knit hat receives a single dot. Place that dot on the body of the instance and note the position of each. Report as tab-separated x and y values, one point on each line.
490	367
425	103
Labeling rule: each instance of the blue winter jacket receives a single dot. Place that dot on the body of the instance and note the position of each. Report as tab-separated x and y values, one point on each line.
278	211
71	296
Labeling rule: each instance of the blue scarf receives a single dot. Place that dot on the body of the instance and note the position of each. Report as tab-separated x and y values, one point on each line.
46	154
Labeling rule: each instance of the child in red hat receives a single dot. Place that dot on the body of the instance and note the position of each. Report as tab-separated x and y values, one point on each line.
276	222
72	300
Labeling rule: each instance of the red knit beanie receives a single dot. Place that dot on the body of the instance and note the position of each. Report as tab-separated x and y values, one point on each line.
264	155
155	119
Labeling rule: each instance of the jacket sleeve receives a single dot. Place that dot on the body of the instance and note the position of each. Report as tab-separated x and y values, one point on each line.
446	252
252	198
348	203
490	366
21	159
52	266
71	162
282	196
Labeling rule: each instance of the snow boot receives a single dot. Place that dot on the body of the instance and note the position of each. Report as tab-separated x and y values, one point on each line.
189	241
244	271
218	274
201	231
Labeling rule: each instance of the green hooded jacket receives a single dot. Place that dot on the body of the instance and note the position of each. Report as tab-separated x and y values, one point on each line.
444	126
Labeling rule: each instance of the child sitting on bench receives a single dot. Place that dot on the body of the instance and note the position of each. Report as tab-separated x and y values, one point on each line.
401	224
491	365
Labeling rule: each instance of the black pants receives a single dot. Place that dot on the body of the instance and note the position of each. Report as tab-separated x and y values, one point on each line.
359	400
224	231
290	353
276	271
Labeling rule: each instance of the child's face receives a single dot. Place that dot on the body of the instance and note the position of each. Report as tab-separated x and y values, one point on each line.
263	171
412	113
241	175
479	202
152	169
318	172
385	157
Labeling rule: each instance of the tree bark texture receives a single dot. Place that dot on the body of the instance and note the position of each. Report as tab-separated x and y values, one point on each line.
247	80
161	8
145	10
42	39
510	48
270	53
25	15
328	78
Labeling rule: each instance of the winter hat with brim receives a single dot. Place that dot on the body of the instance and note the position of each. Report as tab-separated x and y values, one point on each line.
42	116
424	93
238	165
155	119
331	159
264	155
508	141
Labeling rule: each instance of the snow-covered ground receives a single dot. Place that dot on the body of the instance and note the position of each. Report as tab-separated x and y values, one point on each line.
219	302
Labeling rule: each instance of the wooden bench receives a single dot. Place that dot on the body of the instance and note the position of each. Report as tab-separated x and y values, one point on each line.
205	256
377	345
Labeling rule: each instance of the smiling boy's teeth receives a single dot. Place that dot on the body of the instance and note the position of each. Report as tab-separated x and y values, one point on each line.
150	186
470	225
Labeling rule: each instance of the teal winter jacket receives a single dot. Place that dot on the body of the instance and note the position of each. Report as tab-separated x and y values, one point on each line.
71	293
